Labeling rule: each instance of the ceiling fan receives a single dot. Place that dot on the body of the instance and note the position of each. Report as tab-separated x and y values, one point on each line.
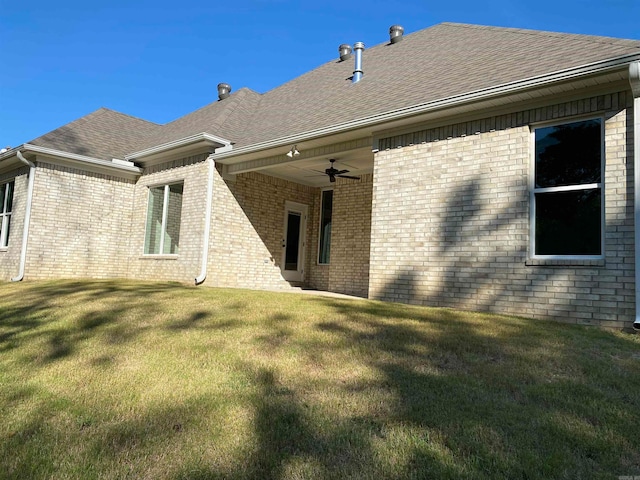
333	172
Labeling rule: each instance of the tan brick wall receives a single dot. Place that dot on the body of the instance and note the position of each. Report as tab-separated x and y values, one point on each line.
350	236
79	224
450	221
248	227
192	172
10	257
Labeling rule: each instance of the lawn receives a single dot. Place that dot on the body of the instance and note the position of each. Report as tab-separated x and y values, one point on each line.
123	379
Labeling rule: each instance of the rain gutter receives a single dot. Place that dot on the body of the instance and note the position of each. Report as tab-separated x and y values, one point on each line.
27	216
634	80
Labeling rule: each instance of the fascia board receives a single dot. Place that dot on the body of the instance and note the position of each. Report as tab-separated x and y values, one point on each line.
456	100
199	139
91	164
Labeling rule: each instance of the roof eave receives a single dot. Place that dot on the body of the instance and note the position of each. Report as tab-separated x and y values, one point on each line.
185	144
118	168
539	81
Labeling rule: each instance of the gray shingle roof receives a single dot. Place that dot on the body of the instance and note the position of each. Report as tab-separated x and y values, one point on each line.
432	64
103	134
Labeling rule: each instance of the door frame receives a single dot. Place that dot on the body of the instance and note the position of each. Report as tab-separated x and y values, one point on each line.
303	210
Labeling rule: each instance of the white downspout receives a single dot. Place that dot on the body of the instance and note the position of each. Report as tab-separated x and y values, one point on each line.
634	80
27	216
207	216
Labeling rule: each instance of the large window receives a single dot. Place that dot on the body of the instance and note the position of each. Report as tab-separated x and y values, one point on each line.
162	235
6	205
326	209
567	195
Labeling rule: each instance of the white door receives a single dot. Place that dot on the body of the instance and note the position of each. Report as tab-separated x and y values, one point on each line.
293	241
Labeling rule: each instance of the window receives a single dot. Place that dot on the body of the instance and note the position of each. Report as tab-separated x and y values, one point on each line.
6	205
326	209
162	235
567	194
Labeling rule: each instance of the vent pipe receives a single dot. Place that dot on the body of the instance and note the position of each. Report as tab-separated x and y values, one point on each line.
357	73
224	90
395	33
345	52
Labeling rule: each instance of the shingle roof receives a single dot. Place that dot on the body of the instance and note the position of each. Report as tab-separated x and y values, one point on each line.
103	134
223	119
432	64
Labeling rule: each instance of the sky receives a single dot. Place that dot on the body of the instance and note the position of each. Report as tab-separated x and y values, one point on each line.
160	60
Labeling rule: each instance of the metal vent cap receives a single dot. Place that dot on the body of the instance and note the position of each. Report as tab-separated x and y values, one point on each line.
395	33
224	90
345	52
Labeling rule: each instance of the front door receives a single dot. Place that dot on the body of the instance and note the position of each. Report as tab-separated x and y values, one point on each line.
293	241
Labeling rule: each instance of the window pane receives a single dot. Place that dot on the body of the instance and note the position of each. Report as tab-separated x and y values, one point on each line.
174	209
568	154
6	228
9	195
325	226
154	221
293	241
569	223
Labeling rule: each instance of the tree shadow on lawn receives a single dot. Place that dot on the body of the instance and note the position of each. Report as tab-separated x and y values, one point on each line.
123	311
511	397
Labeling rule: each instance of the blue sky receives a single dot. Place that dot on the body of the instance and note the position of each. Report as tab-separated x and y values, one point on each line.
159	60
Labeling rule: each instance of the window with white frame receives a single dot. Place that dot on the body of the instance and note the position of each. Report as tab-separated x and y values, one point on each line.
326	212
6	205
567	195
164	211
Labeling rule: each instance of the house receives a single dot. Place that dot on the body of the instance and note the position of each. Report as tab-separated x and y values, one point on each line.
475	167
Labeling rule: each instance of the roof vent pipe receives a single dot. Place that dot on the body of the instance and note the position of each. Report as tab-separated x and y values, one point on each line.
357	73
395	33
224	90
345	52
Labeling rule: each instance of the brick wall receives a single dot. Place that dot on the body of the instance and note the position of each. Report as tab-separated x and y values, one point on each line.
450	221
80	223
10	257
191	172
350	236
248	227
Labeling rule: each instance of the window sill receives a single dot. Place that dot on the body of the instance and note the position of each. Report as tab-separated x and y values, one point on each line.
564	262
4	249
158	257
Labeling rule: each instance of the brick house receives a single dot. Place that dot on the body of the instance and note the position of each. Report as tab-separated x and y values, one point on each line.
475	167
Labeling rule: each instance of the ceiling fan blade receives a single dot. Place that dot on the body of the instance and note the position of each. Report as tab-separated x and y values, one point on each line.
332	178
342	171
349	176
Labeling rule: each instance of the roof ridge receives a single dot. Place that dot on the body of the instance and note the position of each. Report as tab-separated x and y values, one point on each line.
105	109
232	106
545	33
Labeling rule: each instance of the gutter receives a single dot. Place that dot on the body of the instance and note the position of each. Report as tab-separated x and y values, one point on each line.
601	66
117	167
205	138
634	80
27	216
207	215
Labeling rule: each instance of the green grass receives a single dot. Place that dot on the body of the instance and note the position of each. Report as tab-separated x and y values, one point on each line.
123	379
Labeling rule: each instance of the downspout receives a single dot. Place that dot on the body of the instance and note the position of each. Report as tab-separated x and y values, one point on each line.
27	216
207	216
634	80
